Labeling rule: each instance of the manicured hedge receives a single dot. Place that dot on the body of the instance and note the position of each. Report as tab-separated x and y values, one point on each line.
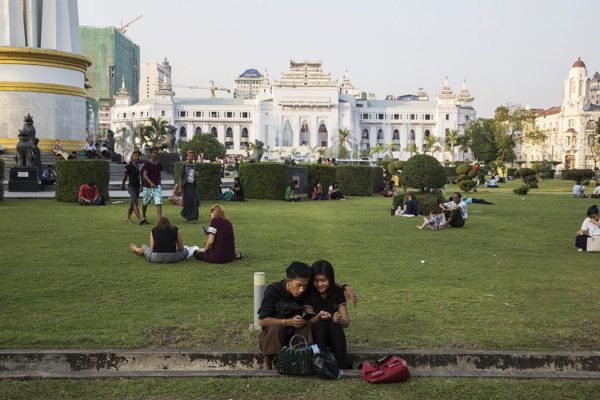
71	174
264	180
377	178
208	180
320	173
577	174
511	172
1	180
354	180
427	201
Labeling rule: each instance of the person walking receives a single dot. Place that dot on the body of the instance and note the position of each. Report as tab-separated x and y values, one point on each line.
187	183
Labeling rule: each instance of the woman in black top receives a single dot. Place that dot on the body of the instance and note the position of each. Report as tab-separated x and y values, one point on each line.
238	190
166	244
328	302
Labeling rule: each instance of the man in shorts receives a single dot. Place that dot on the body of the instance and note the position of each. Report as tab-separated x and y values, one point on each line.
132	173
151	171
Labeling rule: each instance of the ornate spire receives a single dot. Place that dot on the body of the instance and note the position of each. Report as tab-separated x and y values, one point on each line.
464	96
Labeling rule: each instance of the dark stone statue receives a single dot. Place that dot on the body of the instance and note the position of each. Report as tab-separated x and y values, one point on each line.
168	143
258	148
110	141
26	143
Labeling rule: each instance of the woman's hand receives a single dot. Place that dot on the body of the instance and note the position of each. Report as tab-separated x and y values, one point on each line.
324	315
336	318
297	322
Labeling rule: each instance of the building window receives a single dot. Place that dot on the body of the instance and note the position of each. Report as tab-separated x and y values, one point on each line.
162	113
182	113
213	131
229	133
244	132
412	117
467	118
396	116
396	135
228	114
229	145
198	114
365	134
214	114
427	117
133	115
380	116
365	116
198	131
245	114
182	132
124	115
447	117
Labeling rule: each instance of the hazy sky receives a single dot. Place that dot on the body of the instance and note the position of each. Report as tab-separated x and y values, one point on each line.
515	51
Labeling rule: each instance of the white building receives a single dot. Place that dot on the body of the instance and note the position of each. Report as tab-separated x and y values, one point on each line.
304	109
247	84
151	74
568	127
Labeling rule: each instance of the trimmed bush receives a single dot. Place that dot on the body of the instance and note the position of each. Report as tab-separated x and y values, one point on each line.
467	185
523	172
71	174
521	190
423	172
427	201
1	180
577	174
450	174
511	172
264	180
463	168
394	167
354	180
208	180
377	179
320	173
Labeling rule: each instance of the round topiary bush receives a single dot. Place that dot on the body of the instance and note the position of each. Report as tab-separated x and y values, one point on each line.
463	169
71	174
466	185
521	190
394	167
461	178
423	172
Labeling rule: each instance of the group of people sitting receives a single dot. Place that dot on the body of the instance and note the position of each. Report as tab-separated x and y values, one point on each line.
97	150
317	193
166	243
589	228
579	190
308	302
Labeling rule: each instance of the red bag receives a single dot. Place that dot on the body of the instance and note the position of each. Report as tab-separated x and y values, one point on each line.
387	370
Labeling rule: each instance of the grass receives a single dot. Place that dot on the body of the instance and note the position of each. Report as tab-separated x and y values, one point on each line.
511	279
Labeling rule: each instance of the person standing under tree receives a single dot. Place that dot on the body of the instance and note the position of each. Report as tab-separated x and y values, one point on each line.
187	183
132	172
151	171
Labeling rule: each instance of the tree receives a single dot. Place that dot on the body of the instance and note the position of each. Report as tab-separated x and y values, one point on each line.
594	144
155	130
412	149
377	149
430	145
451	141
481	135
204	143
515	119
423	172
343	135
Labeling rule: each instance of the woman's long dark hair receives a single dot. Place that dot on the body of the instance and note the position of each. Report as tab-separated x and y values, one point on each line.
323	267
164	223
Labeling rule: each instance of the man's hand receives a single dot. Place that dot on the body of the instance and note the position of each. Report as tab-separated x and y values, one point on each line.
324	315
350	295
297	322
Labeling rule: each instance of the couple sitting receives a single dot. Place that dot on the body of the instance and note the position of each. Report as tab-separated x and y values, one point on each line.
453	214
307	302
166	243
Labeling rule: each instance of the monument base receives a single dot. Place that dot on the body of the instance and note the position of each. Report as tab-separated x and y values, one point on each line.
23	179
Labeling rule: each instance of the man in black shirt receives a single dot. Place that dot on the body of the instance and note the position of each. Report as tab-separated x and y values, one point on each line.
132	173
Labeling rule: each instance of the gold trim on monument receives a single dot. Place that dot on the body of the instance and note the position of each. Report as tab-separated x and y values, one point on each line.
45	144
42	88
44	57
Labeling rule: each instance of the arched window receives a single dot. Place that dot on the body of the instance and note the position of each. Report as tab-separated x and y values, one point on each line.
411	135
323	136
304	134
244	132
427	133
198	131
396	135
182	132
380	136
365	134
229	133
288	133
213	131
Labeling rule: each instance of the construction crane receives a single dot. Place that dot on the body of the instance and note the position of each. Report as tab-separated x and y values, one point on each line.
124	26
213	88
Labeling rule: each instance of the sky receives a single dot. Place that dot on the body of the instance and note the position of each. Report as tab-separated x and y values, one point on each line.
509	51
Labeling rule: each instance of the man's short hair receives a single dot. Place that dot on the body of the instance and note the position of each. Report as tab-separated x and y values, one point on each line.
136	152
190	151
153	149
457	194
298	269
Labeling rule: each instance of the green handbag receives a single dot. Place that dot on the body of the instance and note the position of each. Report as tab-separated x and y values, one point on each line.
296	359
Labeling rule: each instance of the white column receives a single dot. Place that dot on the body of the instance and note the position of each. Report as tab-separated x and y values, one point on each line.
60	26
12	30
419	138
33	22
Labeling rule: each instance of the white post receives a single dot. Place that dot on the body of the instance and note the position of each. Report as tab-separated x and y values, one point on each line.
259	291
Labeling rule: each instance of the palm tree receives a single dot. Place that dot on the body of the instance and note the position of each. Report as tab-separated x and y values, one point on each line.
463	145
412	148
155	130
430	145
390	148
377	149
451	141
343	135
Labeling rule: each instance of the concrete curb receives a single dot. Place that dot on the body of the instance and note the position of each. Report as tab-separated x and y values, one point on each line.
122	363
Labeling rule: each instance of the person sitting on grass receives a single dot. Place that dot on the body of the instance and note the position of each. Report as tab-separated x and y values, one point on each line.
220	245
455	211
590	227
335	192
328	302
578	190
411	207
317	193
49	176
596	193
89	195
492	183
238	190
290	192
166	244
434	222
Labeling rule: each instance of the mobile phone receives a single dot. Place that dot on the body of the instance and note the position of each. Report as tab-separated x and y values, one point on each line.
308	315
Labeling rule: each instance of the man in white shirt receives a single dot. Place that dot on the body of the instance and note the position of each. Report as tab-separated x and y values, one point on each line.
596	193
455	211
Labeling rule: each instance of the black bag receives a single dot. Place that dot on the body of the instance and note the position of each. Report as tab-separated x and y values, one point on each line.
296	359
326	365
